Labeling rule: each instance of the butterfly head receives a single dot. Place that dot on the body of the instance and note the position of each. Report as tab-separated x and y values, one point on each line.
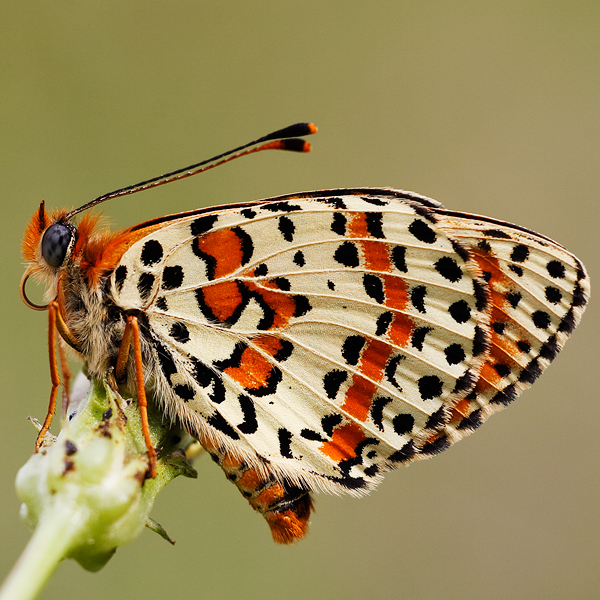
49	241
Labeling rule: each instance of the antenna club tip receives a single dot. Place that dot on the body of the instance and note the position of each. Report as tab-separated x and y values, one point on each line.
295	145
312	128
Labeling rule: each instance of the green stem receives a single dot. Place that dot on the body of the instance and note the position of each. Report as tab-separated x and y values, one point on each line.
49	544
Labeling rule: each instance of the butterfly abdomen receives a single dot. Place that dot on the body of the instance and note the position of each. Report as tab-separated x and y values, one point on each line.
286	507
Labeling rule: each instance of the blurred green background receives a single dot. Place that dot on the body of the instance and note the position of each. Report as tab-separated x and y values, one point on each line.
491	107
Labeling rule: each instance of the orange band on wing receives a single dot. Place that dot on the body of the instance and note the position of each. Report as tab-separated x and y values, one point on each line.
343	442
226	248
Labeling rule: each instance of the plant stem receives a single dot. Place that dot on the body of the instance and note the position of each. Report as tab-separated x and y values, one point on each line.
46	548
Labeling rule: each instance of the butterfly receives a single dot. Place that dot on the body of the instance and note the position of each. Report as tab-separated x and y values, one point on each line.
312	341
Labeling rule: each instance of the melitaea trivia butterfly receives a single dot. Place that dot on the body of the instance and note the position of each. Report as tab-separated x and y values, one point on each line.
310	341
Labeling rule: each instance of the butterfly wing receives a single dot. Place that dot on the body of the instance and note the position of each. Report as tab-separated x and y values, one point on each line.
315	341
324	338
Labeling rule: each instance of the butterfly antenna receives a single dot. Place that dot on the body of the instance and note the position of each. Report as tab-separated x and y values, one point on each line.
282	139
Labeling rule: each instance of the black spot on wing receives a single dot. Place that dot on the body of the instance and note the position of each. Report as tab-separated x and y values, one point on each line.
172	277
480	341
518	271
145	284
448	268
375	201
399	258
531	372
553	294
420	230
417	297
282	283
502	369
184	391
218	421
454	354
210	381
473	421
418	337
285	351
302	305
299	259
287	228
436	446
390	371
261	270
460	250
330	422
567	323
405	454
249	424
285	442
549	348
506	396
203	224
496	233
372	470
152	253
460	311
541	319
120	276
315	436
347	254
383	322
374	287
337	203
514	298
498	327
332	381
179	332
556	269
377	407
351	349
481	296
165	359
465	382
579	298
280	207
248	213
519	253
437	419
338	224
403	423
430	387
375	224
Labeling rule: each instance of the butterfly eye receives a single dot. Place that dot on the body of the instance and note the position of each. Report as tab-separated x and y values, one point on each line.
55	244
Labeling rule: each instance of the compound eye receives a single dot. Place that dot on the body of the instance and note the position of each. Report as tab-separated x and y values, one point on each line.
55	244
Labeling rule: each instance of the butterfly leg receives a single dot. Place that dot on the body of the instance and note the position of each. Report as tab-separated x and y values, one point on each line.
66	374
131	336
54	376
